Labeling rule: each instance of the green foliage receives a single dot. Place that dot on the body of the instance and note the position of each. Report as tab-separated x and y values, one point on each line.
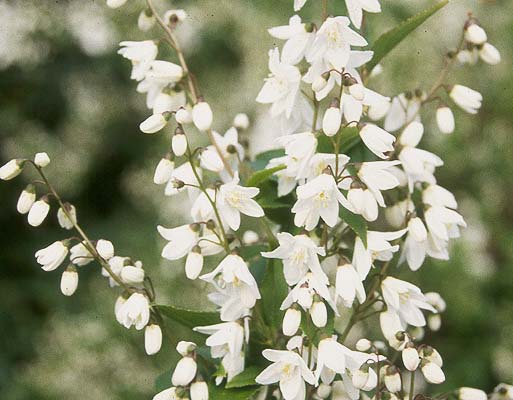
245	378
188	318
356	222
221	393
274	289
263	175
386	42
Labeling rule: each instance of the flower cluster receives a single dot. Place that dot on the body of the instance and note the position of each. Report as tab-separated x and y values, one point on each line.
346	196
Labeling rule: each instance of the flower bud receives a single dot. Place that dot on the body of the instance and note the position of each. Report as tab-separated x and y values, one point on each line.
445	119
250	237
319	83
63	219
475	34
11	170
357	91
291	321
417	229
393	379
26	199
132	275
164	171
38	212
185	348
431	354
319	314
179	142
41	160
172	17
489	54
105	249
183	116
152	339
194	263
323	391
468	393
434	322
69	281
410	357
202	116
332	120
199	391
52	256
432	372
363	344
153	123
360	377
241	121
115	3
467	99
146	20
184	372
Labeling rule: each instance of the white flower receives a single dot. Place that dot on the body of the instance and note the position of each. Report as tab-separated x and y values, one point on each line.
158	77
363	203
468	393
134	311
63	219
333	43
184	372
199	390
146	20
443	223
172	16
69	281
318	198
290	370
467	99
319	314
141	54
234	199
298	36
305	291
79	255
167	394
355	9
168	101
164	171
291	321
377	140
445	119
348	285
52	256
404	108
406	300
502	391
320	161
298	4
233	277
26	199
183	116
432	372
179	143
393	379
181	240
250	237
194	263
415	246
489	54
378	248
202	116
281	88
38	212
115	3
332	121
153	123
363	344
152	339
299	254
300	148
11	170
183	174
411	359
132	275
105	249
475	34
231	150
241	121
41	160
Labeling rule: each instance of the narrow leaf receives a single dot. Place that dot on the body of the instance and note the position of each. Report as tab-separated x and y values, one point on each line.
260	176
189	318
274	289
245	378
386	42
221	393
356	222
262	159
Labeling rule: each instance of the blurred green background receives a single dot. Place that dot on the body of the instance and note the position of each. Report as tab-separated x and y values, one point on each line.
65	91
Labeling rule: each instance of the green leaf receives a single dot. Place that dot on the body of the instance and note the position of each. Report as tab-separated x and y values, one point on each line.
189	318
274	289
163	381
257	264
348	138
261	176
245	378
221	393
262	159
356	222
386	42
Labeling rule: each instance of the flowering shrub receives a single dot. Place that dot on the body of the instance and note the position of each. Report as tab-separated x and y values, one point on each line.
323	258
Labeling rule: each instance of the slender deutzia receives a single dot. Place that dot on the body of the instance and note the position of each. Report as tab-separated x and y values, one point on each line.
301	245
